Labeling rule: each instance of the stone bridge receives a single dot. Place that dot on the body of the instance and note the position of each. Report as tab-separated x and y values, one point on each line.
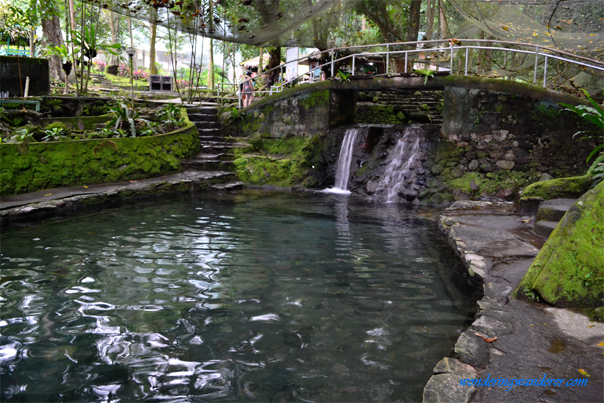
461	105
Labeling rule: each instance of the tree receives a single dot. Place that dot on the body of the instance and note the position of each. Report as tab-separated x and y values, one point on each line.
114	24
51	27
153	39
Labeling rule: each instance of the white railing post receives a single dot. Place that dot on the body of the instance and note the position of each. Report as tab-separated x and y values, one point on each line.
387	58
406	61
536	64
467	49
451	69
545	72
352	74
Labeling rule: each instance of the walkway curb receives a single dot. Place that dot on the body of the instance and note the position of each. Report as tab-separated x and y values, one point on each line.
52	202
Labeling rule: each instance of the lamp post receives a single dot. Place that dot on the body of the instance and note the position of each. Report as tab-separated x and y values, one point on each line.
131	51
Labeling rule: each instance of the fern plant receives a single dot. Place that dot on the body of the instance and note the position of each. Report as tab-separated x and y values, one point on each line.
595	115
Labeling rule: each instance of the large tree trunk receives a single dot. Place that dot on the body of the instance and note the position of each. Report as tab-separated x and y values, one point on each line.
273	61
414	15
51	28
114	24
413	28
444	33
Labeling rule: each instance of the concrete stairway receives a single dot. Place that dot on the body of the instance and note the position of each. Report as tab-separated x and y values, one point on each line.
216	151
550	213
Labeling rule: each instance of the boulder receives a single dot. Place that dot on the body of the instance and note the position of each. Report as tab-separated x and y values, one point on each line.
569	269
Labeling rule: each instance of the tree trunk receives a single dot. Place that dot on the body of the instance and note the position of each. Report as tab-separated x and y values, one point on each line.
413	29
261	60
273	61
444	33
152	66
429	19
114	24
53	37
414	15
72	14
211	67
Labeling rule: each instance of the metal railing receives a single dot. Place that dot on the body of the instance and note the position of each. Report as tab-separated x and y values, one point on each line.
452	48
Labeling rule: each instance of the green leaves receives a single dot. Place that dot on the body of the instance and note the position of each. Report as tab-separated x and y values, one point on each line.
343	77
170	114
427	73
595	115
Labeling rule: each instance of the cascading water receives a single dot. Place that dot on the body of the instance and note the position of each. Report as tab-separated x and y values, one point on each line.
344	160
405	157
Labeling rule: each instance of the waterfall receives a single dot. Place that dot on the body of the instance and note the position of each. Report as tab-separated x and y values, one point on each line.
344	160
404	158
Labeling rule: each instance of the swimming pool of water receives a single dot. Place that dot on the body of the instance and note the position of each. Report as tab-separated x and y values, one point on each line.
254	296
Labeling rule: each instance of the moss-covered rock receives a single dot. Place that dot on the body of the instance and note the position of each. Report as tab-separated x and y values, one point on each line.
279	162
569	270
558	188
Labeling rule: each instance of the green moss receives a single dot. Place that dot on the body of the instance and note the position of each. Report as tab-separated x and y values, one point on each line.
286	161
315	99
57	125
558	188
36	166
490	183
379	114
568	271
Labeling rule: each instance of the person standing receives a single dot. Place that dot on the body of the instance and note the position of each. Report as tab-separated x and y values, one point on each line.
248	90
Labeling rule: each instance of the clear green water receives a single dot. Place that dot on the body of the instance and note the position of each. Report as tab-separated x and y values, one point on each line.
255	296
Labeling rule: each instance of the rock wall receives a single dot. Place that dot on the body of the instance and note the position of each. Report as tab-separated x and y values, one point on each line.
299	111
27	167
399	107
495	143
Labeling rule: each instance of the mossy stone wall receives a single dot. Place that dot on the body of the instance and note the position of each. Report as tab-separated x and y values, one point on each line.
400	107
280	162
27	167
307	111
495	143
569	269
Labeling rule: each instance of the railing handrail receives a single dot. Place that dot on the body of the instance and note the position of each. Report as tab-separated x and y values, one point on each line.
452	44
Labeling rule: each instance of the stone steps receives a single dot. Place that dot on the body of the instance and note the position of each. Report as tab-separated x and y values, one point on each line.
216	150
550	213
207	125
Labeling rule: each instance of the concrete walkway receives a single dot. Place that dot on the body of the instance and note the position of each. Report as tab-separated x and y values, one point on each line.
58	200
525	341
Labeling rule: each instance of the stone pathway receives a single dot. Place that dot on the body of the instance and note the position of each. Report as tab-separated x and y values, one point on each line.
532	340
56	201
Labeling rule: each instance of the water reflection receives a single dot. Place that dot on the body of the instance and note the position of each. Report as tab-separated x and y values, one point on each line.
253	296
